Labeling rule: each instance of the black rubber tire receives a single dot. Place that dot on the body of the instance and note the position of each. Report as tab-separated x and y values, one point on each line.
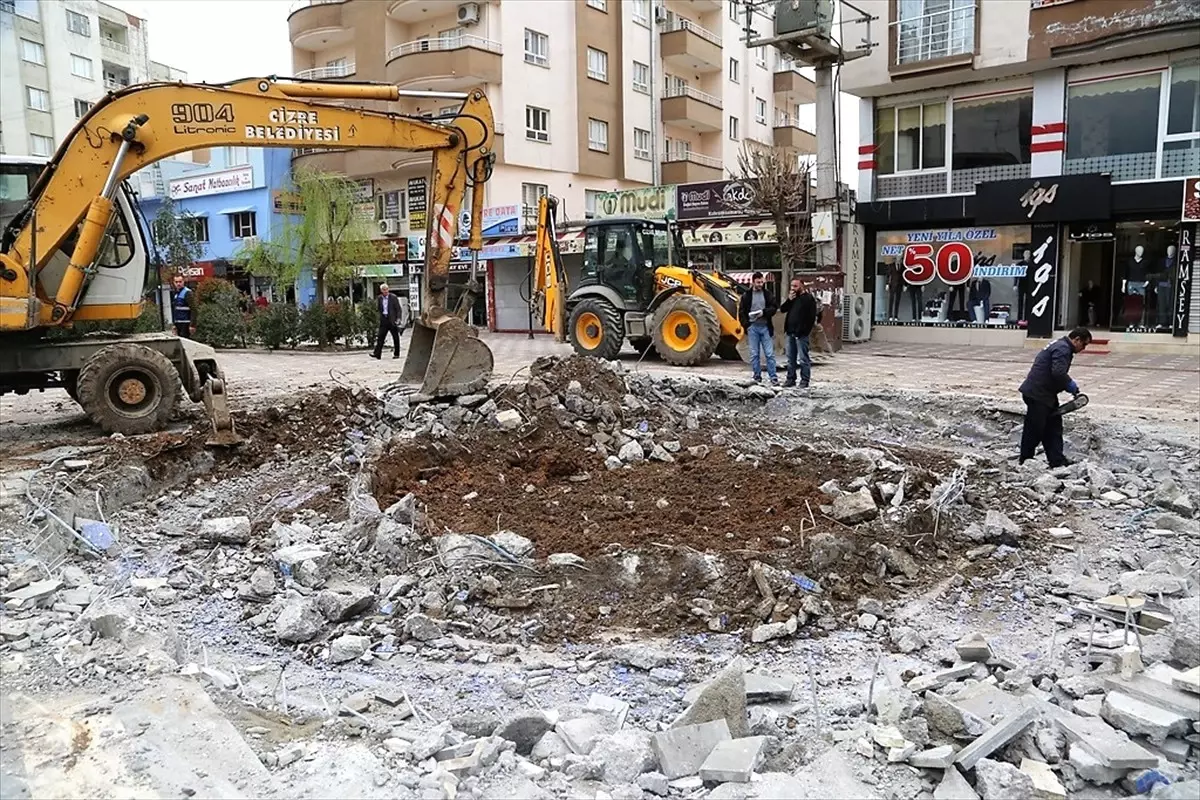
703	317
70	378
611	330
727	349
643	343
152	372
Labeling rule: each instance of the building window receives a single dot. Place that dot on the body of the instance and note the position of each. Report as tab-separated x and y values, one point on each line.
641	144
641	12
537	124
237	156
932	29
992	131
531	193
40	145
82	107
734	11
910	138
33	52
597	64
733	70
1112	126
197	227
641	77
760	56
22	8
537	48
242	225
599	5
37	99
760	110
733	128
591	198
78	23
598	135
81	67
1181	145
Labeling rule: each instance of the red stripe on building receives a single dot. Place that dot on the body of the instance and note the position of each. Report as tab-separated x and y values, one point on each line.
1047	147
871	164
868	149
1049	127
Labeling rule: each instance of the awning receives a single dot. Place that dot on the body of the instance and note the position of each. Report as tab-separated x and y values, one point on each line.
238	210
191	214
733	232
569	242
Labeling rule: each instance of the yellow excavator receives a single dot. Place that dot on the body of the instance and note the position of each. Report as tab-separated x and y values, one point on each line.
630	289
74	248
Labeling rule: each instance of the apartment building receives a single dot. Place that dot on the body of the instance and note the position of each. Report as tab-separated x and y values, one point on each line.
591	97
59	57
1022	169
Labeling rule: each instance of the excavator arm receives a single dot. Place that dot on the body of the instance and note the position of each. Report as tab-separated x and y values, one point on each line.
550	288
138	126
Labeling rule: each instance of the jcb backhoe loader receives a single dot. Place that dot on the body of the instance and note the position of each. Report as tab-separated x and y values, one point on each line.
630	289
75	250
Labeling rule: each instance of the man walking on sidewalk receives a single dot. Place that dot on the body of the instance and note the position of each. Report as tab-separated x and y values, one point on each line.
800	314
1048	376
755	311
389	322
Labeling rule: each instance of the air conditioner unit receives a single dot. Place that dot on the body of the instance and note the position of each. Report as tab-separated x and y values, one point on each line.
389	227
468	14
856	318
660	14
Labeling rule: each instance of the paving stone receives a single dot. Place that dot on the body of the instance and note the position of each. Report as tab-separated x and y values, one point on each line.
733	760
767	689
1158	693
1138	718
935	758
1090	768
681	751
1103	743
996	737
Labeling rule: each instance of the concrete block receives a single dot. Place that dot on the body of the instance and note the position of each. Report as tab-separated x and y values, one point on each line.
1090	768
619	709
996	737
936	680
1142	719
1174	750
935	758
724	697
681	751
1046	785
1188	681
767	689
1158	693
1103	743
973	647
999	780
954	787
580	734
733	760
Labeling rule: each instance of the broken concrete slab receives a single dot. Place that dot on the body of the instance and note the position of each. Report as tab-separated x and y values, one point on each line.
580	734
1089	587
973	647
1158	693
723	698
681	751
733	760
1104	743
996	737
1138	718
1046	785
949	718
936	680
619	709
954	787
226	530
935	758
767	688
32	594
1090	768
1188	681
998	780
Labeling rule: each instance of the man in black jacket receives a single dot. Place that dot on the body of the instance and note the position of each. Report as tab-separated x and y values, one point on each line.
800	310
389	321
755	310
1048	376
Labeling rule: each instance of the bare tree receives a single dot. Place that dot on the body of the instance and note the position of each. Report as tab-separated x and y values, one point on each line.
781	180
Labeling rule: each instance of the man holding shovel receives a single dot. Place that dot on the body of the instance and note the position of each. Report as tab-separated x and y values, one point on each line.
1048	376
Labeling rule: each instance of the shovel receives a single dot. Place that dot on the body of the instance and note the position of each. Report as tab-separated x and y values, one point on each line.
448	357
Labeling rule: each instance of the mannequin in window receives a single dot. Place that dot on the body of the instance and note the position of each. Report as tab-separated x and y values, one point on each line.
958	293
1163	287
895	285
914	294
1022	283
1135	287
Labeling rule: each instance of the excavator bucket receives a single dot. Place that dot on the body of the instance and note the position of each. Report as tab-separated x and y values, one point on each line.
447	358
223	433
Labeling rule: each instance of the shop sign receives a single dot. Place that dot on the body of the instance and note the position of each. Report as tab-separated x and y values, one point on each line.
418	203
715	200
286	202
1094	232
364	191
652	202
703	235
227	180
1191	200
1043	281
497	221
947	256
391	251
196	271
391	205
414	292
415	249
1183	279
1066	198
494	251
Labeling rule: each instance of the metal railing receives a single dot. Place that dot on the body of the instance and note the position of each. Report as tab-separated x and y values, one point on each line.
695	94
693	157
114	45
331	71
939	34
684	24
444	43
114	86
788	121
299	4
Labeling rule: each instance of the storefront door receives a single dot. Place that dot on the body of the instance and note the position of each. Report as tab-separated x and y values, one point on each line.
1087	281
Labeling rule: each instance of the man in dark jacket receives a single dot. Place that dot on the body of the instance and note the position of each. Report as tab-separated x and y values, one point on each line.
755	310
1048	376
800	314
389	321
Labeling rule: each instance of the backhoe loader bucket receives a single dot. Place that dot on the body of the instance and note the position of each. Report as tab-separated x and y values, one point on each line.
448	358
223	433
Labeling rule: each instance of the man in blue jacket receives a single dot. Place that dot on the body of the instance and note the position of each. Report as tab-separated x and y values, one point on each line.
1048	376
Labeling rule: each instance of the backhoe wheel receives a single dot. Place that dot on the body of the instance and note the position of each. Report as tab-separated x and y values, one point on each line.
70	379
129	389
686	330
596	329
727	350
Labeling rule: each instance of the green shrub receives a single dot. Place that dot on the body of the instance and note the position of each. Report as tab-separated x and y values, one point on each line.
149	320
368	321
276	325
314	324
219	318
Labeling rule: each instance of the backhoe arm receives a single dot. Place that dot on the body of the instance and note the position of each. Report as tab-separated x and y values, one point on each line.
138	126
550	287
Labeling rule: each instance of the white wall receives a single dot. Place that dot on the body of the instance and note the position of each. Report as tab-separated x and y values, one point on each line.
638	106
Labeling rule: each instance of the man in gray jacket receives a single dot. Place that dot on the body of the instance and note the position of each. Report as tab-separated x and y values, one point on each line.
1048	376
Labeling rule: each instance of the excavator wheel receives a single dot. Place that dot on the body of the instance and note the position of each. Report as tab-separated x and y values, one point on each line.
596	329
128	389
686	330
70	379
727	350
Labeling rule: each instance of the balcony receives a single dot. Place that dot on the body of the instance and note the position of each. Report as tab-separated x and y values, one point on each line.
691	108
788	133
690	168
793	88
704	6
326	73
315	25
114	46
412	11
451	63
938	39
688	47
115	84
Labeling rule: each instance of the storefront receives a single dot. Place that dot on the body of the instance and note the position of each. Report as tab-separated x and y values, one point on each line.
460	276
1029	258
